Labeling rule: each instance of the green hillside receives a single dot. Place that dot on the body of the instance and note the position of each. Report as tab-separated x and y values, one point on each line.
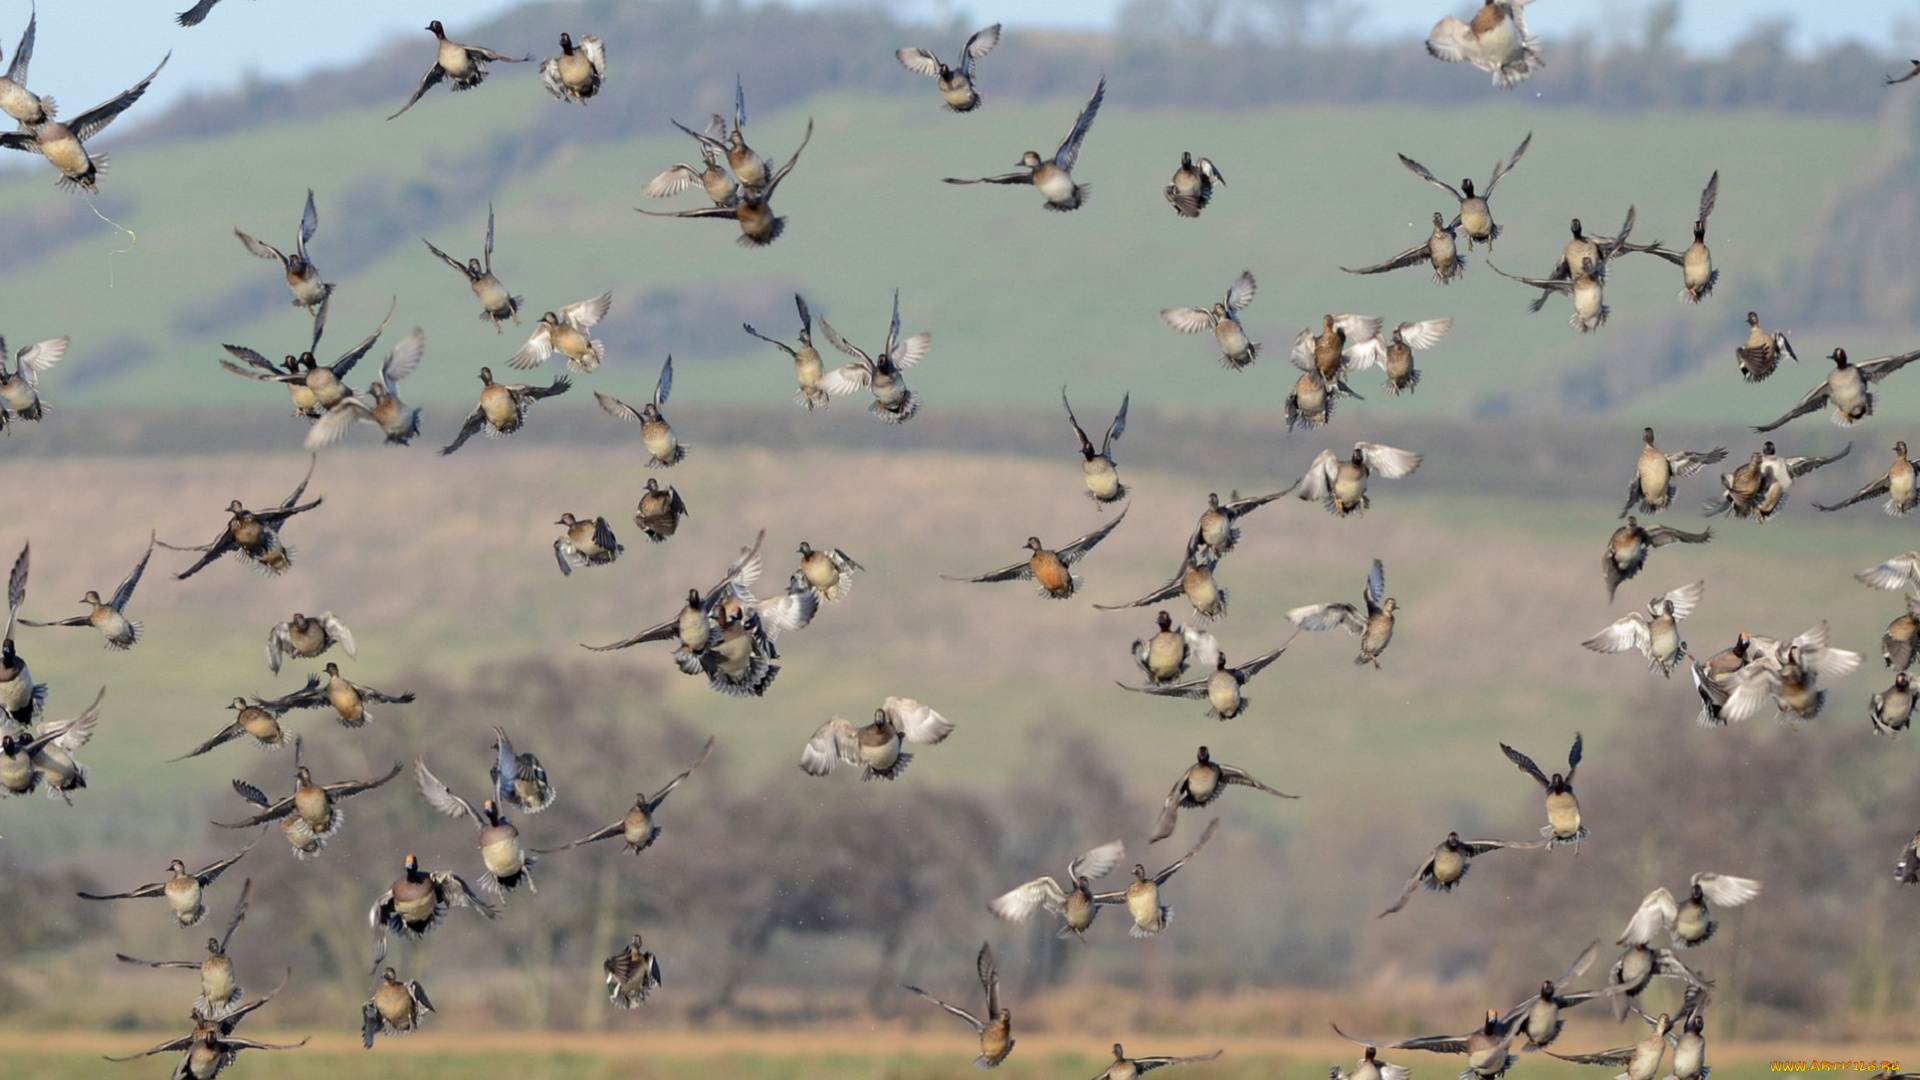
1019	300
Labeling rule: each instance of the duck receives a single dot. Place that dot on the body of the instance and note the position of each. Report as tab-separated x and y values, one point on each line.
1103	478
1195	581
63	143
1848	387
1580	275
258	720
219	990
1053	177
20	388
184	892
1074	903
519	778
1907	870
996	1031
466	65
1223	687
1897	645
1713	679
1630	544
1655	631
212	1046
1651	488
317	388
21	699
693	628
1785	675
586	542
1891	709
637	828
1142	897
32	760
656	434
1897	484
1474	217
1394	353
28	108
1641	1060
807	367
310	816
1582	247
253	536
1538	1016
1899	572
659	511
631	974
396	1008
1485	1046
1127	1068
507	864
752	210
565	332
1341	486
749	168
1758	489
1203	782
303	637
417	902
955	85
1218	529
1563	808
51	752
1343	341
878	748
575	75
1762	352
828	571
382	406
1192	186
740	663
1440	251
503	407
497	302
892	401
1164	657
1494	40
1695	262
712	176
1237	351
1050	568
1374	628
1449	863
1689	922
348	699
109	616
1370	1067
303	278
1310	404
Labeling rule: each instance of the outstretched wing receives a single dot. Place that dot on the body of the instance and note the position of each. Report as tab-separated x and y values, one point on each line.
1069	150
1420	171
1073	552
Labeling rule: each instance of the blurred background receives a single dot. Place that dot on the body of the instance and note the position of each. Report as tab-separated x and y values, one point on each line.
787	910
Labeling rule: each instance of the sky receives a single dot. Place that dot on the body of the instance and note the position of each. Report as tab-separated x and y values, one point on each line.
90	50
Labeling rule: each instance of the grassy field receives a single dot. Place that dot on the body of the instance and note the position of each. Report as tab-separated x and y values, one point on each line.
441	584
849	1055
466	585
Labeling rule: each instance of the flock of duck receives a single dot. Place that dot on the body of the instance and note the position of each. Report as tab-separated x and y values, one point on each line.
728	634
